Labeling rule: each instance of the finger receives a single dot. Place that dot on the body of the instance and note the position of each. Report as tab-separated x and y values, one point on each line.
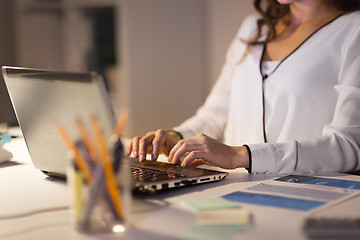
158	142
143	146
174	154
177	146
173	150
135	146
184	148
197	162
193	158
129	149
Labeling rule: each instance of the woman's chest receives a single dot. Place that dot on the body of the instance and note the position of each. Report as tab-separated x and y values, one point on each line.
313	71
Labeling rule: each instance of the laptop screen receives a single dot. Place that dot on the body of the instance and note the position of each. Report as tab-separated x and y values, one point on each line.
43	99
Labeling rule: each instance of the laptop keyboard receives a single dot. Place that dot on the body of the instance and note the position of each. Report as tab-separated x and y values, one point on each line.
148	175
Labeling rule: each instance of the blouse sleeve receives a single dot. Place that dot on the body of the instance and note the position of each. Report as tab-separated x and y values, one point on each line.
338	149
211	117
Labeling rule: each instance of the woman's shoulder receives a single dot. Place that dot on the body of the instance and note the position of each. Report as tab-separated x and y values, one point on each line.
348	27
246	32
351	19
354	14
248	27
251	19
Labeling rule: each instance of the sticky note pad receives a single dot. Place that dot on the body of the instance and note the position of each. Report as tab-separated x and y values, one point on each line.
200	205
221	217
211	232
217	212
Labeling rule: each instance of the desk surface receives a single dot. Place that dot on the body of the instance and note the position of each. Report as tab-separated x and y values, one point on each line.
25	189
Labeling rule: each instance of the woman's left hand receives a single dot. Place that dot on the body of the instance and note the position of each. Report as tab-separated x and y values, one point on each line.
203	149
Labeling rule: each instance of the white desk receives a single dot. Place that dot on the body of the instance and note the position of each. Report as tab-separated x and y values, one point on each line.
24	189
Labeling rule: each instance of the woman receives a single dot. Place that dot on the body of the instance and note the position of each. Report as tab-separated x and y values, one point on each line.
287	99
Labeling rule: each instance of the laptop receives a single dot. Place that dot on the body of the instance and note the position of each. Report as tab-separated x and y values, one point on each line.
43	99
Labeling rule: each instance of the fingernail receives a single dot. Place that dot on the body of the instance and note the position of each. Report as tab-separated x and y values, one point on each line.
141	158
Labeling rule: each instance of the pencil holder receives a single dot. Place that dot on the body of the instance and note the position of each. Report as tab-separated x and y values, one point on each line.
100	190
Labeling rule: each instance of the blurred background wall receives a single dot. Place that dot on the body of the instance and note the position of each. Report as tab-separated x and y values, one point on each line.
7	57
159	58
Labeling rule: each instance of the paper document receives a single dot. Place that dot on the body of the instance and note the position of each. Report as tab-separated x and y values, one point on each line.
307	193
296	192
330	182
273	200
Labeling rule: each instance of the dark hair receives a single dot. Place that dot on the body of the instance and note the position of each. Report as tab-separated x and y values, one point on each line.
271	11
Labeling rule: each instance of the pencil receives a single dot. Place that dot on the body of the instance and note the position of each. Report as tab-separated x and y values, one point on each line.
108	169
79	160
85	137
78	191
122	119
120	124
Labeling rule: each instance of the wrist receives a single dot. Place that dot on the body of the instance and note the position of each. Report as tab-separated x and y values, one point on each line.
175	135
242	157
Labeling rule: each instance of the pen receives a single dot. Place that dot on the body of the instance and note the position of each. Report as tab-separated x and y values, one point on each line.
118	153
86	156
115	142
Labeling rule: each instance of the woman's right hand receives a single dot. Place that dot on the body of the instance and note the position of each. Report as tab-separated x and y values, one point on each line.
154	143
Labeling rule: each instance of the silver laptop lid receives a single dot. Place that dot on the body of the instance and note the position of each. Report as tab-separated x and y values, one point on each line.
42	99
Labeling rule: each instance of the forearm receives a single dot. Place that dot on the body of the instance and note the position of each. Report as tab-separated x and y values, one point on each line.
332	152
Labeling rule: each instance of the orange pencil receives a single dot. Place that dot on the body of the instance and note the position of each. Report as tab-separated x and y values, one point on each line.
108	169
80	161
86	138
121	123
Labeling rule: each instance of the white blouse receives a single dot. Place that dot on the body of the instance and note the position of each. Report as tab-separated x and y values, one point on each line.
311	112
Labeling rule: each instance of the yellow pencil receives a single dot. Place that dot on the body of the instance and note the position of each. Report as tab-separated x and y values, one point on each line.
108	169
78	191
79	160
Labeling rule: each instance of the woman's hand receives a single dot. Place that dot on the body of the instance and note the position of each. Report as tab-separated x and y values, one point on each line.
154	143
205	150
